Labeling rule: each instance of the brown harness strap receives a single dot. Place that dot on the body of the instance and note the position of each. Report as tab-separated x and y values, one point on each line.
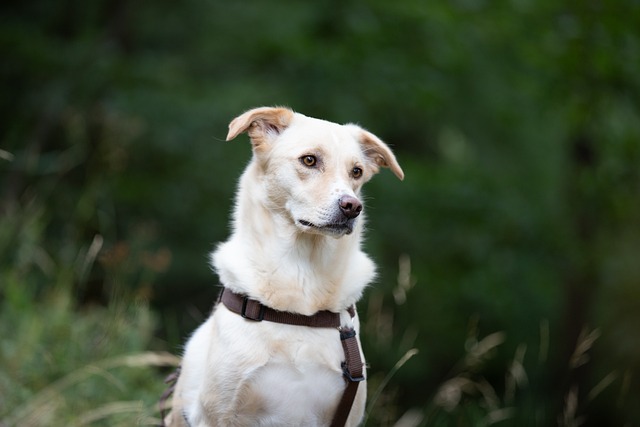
253	310
352	367
352	370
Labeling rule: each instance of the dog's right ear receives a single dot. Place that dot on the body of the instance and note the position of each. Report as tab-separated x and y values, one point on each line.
262	124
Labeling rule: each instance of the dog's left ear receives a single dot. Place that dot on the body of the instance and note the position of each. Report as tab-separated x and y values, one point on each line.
377	151
263	124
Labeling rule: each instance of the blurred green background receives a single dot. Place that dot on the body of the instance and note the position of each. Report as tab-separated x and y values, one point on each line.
509	257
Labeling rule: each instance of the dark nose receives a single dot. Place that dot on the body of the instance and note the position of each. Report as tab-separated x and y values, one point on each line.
350	206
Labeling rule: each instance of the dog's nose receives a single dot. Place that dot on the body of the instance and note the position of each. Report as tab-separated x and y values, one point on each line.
350	206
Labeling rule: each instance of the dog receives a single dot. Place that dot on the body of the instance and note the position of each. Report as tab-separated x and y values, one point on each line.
295	247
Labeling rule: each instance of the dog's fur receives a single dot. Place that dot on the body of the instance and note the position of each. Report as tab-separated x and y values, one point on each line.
295	247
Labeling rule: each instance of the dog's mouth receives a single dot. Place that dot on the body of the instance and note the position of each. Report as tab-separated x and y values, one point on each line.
331	228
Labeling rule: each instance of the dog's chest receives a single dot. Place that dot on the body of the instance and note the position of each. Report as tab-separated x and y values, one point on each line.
306	396
288	370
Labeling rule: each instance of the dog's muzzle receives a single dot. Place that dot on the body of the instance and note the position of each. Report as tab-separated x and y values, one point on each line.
349	208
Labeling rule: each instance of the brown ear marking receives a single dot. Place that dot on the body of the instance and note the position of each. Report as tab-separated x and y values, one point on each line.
261	123
378	151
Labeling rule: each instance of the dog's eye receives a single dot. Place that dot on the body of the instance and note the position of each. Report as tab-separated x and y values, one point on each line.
356	173
309	160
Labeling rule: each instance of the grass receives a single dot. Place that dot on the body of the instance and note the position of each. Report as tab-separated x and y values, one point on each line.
68	364
468	397
68	367
57	403
471	396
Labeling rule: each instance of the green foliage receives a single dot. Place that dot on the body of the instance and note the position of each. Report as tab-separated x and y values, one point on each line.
62	366
517	124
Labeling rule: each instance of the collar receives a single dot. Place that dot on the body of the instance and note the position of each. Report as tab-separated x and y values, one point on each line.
253	310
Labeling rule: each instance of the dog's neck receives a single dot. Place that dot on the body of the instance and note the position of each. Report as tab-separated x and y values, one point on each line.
272	261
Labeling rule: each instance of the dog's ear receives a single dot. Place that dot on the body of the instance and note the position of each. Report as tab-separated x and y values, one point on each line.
262	124
379	153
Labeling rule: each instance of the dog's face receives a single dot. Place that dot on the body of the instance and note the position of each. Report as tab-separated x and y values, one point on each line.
312	170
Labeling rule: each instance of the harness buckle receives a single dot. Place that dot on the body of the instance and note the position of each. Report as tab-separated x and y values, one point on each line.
347	374
244	314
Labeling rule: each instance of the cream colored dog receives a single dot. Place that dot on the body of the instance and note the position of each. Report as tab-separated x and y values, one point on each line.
295	247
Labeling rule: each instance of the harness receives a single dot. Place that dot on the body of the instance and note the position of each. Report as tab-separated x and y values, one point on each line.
352	367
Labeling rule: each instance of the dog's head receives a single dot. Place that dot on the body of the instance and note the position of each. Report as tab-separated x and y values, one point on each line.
312	170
